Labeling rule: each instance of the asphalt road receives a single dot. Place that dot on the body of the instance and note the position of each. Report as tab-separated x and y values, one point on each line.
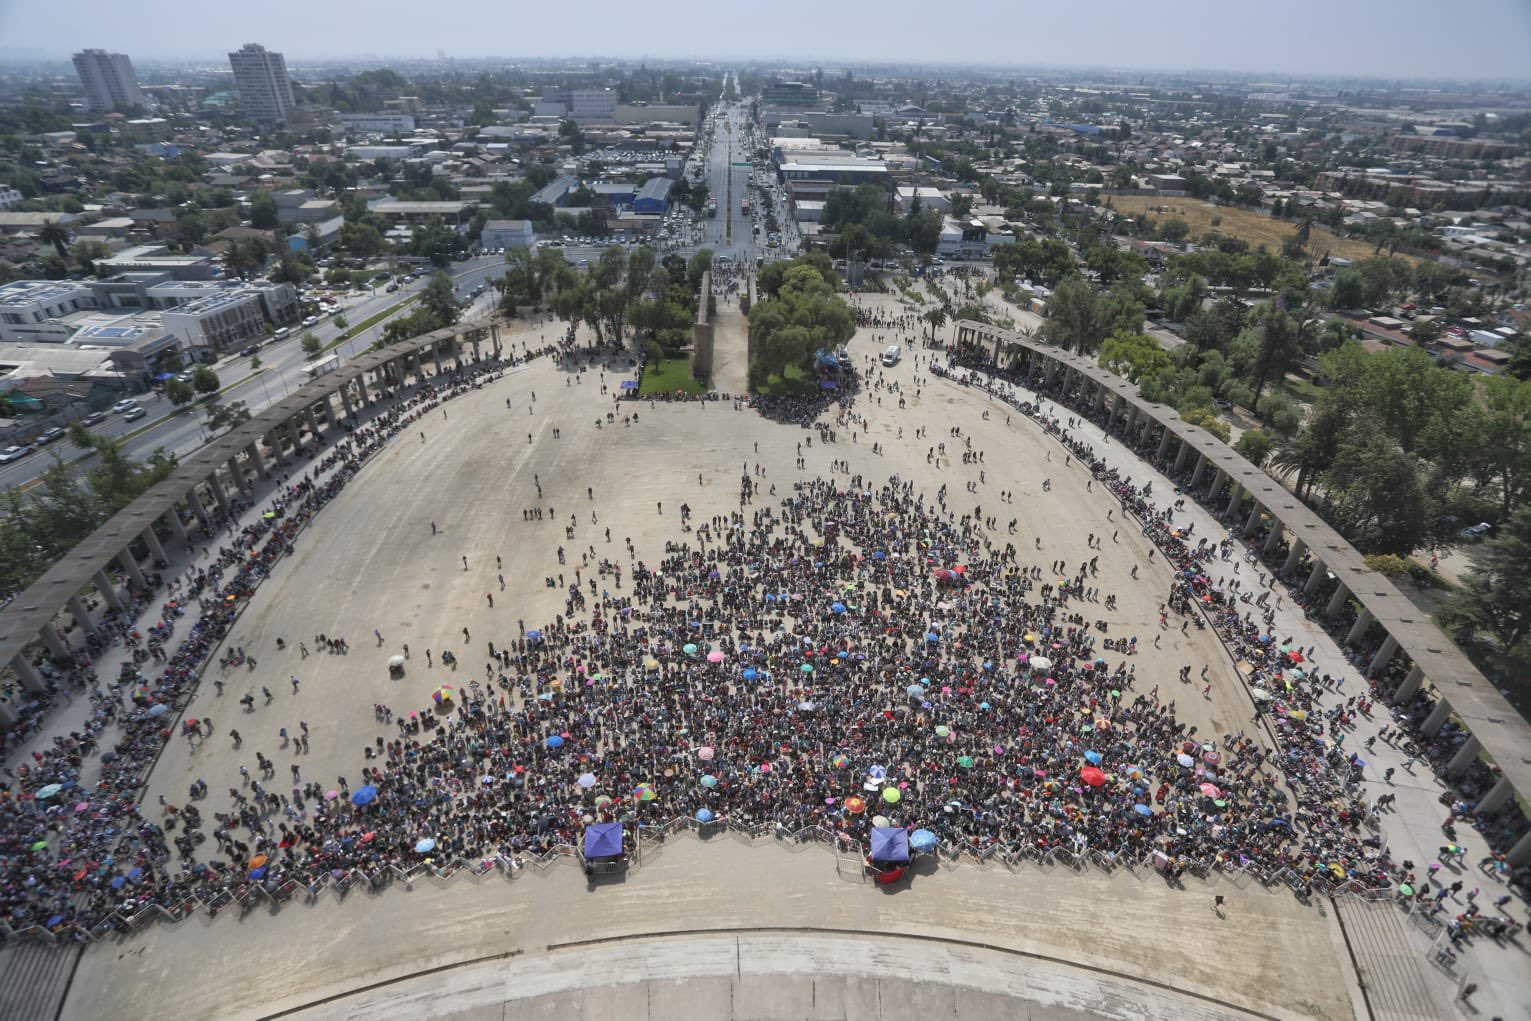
281	370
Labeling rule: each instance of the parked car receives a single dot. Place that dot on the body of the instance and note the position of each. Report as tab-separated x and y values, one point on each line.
1476	533
50	435
10	454
134	413
125	404
247	352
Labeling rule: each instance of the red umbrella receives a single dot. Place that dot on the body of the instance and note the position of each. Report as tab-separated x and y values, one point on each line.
1092	776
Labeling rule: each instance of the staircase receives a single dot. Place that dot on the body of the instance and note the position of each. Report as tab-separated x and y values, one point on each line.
1392	967
34	977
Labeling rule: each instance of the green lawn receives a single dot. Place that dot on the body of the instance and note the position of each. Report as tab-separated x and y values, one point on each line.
667	376
793	381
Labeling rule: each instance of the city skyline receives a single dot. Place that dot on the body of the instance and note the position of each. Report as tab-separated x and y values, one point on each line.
1482	40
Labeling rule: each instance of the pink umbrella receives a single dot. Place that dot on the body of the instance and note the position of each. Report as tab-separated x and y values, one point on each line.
715	656
705	754
1211	791
331	795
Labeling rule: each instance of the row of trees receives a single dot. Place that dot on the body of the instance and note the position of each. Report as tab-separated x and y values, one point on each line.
39	528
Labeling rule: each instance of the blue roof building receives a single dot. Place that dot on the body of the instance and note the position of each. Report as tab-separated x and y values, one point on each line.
654	196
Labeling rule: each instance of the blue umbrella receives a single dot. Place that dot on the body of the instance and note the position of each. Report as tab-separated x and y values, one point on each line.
1142	810
879	555
54	921
837	607
877	772
749	673
259	873
364	795
931	636
119	882
534	635
1093	758
426	845
915	691
554	742
704	815
923	840
135	872
159	709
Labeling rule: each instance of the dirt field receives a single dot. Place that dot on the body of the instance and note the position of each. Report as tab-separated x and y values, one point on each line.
1251	226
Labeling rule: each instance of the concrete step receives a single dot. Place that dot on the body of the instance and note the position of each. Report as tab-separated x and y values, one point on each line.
34	978
1392	967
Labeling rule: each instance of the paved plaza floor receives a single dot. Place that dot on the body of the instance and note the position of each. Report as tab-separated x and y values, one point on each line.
415	547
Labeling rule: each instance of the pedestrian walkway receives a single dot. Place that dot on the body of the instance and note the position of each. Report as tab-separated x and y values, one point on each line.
34	978
730	349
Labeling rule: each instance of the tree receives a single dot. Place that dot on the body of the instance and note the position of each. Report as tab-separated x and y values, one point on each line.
180	394
1174	230
936	318
440	298
1348	289
1134	355
1077	319
87	252
340	321
204	380
311	344
1208	420
263	215
1496	592
1255	446
804	316
56	234
1376	495
223	417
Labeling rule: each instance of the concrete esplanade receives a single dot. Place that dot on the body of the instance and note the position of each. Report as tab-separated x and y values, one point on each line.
1253	498
214	475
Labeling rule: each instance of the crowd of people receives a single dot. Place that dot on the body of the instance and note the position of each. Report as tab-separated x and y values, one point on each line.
74	842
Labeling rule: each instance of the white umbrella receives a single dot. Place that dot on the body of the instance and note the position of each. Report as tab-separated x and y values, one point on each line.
1040	663
586	780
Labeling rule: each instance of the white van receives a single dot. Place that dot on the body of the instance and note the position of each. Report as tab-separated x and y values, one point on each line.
281	334
891	356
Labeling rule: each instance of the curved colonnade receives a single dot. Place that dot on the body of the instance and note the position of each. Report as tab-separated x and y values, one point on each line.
1405	639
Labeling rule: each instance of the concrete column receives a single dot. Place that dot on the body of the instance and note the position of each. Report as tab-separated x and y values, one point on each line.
1273	538
8	717
1201	466
1182	455
457	353
494	337
328	409
361	389
1235	498
1100	396
81	615
1315	576
1253	521
1294	557
1437	718
1364	620
219	494
1164	442
1464	756
1132	416
156	550
1384	656
1218	478
1116	411
1410	686
345	401
436	355
1497	795
256	461
478	357
55	642
312	419
1520	852
1337	600
236	473
172	517
108	589
27	673
130	564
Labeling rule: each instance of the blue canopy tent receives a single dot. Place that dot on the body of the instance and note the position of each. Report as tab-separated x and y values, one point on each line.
603	840
890	845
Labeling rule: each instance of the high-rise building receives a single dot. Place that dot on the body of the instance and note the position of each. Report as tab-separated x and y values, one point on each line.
109	80
264	87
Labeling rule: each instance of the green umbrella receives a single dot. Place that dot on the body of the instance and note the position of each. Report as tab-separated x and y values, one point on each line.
943	731
41	845
965	761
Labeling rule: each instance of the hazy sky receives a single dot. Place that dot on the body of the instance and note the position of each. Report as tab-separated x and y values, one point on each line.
1480	39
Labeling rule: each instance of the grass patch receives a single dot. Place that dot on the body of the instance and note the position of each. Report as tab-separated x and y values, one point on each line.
668	375
793	382
1246	224
366	324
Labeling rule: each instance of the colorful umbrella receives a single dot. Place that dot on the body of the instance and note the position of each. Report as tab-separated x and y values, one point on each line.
645	792
442	694
1092	776
705	754
892	795
855	805
709	781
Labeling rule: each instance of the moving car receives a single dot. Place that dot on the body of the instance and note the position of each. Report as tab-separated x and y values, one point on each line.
50	435
1476	533
13	453
247	352
93	418
134	413
891	355
124	405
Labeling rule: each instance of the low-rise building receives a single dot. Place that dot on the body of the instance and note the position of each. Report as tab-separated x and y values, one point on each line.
507	234
654	196
399	210
374	123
